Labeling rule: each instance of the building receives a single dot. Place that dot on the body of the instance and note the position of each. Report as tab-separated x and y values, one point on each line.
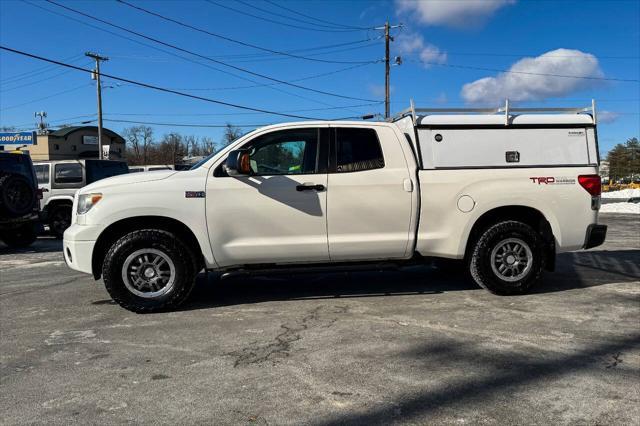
71	143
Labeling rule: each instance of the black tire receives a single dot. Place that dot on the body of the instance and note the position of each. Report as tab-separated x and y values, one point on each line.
503	237
17	195
20	237
59	219
180	255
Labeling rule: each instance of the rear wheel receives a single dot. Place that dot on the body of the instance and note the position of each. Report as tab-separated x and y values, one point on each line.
20	237
508	258
59	219
17	195
149	270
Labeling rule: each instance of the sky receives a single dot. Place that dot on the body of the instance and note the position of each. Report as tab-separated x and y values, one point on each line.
455	53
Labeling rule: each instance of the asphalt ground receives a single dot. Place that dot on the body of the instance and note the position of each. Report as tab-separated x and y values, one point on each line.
418	346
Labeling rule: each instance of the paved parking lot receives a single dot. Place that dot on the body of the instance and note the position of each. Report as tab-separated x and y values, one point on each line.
417	346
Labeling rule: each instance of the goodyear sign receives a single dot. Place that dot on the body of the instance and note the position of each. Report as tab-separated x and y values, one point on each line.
17	138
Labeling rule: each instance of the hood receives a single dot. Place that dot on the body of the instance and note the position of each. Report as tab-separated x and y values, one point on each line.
128	179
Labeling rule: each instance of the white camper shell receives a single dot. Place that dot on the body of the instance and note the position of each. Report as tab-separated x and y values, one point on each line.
504	137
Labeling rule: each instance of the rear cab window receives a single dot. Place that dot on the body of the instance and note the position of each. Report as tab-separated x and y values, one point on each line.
357	149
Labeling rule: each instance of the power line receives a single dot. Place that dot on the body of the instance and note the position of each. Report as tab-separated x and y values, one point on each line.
150	86
527	72
311	17
242	43
330	52
269	84
228	113
153	123
286	24
208	58
264	55
536	56
36	82
37	71
43	98
168	52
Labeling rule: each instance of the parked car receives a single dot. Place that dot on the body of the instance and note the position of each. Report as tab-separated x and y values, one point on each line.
150	168
505	192
19	207
60	180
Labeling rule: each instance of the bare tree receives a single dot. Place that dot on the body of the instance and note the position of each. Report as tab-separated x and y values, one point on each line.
140	140
231	133
207	145
172	148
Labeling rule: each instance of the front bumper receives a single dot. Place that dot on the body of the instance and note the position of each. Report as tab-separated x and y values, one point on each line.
77	246
596	235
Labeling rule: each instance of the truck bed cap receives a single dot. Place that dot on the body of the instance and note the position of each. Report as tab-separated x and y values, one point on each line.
495	119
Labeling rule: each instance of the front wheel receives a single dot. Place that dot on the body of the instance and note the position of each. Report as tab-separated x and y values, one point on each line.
149	270
508	258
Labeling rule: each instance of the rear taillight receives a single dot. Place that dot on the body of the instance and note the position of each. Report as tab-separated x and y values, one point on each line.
591	183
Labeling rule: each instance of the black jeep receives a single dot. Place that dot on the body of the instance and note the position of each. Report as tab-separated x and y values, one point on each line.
19	200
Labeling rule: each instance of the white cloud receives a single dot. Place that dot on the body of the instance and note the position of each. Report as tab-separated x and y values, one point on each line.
524	82
607	116
414	44
452	13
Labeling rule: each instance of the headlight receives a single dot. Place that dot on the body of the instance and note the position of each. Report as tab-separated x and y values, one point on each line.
86	201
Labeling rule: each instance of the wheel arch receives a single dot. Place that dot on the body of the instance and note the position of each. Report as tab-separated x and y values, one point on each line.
526	214
119	228
58	200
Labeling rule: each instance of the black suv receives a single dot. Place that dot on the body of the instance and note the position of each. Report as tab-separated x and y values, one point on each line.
19	200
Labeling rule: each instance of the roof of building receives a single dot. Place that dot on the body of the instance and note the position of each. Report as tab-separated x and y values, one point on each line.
66	131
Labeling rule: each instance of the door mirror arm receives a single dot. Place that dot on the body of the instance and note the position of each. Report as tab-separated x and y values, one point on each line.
238	163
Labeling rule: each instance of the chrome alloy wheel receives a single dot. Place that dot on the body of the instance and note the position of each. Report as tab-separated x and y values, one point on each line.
511	259
148	273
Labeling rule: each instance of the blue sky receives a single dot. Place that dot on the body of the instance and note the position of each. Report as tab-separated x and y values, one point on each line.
452	53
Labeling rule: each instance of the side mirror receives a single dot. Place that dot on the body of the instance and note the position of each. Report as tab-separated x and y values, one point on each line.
238	163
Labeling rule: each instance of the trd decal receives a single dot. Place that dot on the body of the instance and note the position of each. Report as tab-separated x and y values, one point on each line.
552	180
541	180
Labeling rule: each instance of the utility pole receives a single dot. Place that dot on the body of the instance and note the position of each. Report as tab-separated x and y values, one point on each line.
96	75
386	69
387	65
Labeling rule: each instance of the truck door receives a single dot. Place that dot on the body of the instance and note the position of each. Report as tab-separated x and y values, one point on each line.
278	214
369	195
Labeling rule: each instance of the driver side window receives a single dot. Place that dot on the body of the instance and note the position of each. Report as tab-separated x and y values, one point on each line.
285	152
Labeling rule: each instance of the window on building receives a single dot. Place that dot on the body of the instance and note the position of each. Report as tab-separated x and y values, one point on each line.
357	150
42	173
68	173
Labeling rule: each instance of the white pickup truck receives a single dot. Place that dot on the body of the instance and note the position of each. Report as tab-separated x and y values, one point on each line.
505	190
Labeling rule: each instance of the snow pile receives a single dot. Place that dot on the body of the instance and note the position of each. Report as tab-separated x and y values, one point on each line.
628	208
625	193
